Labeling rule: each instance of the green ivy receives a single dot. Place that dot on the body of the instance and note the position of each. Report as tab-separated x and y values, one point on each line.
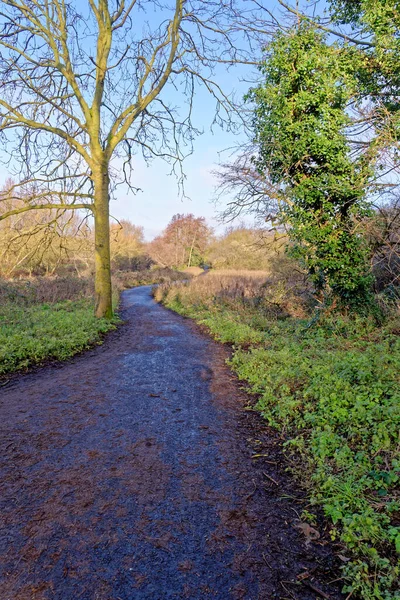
300	121
30	335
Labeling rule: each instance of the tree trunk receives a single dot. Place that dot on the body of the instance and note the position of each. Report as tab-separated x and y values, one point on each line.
103	292
191	251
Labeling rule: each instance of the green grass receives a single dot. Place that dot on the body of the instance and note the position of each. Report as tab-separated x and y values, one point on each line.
30	335
333	391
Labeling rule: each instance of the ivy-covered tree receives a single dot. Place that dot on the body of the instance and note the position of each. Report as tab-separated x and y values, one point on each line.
300	122
377	26
369	33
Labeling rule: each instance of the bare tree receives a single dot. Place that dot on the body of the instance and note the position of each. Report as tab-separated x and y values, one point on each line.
41	241
83	86
184	238
249	191
127	244
382	230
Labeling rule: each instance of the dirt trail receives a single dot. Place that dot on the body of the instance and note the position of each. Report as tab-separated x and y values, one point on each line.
127	474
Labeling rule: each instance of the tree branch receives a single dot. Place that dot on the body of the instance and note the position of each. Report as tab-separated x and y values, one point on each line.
18	211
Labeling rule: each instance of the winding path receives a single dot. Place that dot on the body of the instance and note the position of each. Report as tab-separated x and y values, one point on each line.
128	474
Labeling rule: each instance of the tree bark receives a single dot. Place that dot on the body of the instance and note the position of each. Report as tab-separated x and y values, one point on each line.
103	291
191	251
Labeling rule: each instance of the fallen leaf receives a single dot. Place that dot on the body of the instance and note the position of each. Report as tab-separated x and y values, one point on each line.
311	534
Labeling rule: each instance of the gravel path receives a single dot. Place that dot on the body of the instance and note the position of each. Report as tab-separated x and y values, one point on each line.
128	474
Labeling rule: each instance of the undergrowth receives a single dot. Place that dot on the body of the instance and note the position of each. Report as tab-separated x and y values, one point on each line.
30	335
129	279
332	389
52	318
47	318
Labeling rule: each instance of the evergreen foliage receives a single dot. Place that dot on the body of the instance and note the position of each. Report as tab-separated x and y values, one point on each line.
300	125
378	58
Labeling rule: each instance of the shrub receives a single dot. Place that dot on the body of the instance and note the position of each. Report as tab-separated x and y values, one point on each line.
45	290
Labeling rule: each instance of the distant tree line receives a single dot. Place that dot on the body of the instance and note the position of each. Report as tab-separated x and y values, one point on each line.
42	243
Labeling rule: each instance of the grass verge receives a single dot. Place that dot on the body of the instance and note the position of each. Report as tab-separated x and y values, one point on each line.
333	391
31	335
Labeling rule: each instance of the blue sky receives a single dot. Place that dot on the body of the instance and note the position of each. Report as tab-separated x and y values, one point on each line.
160	199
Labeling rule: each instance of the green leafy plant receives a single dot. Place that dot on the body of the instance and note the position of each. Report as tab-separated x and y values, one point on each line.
33	334
333	391
300	121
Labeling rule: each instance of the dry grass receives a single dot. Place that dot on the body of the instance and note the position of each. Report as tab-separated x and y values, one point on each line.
247	273
45	290
123	280
237	289
195	271
222	284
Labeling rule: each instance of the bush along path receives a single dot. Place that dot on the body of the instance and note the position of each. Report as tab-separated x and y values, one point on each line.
136	472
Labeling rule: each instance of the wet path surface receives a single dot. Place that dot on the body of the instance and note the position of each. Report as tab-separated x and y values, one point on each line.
127	474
